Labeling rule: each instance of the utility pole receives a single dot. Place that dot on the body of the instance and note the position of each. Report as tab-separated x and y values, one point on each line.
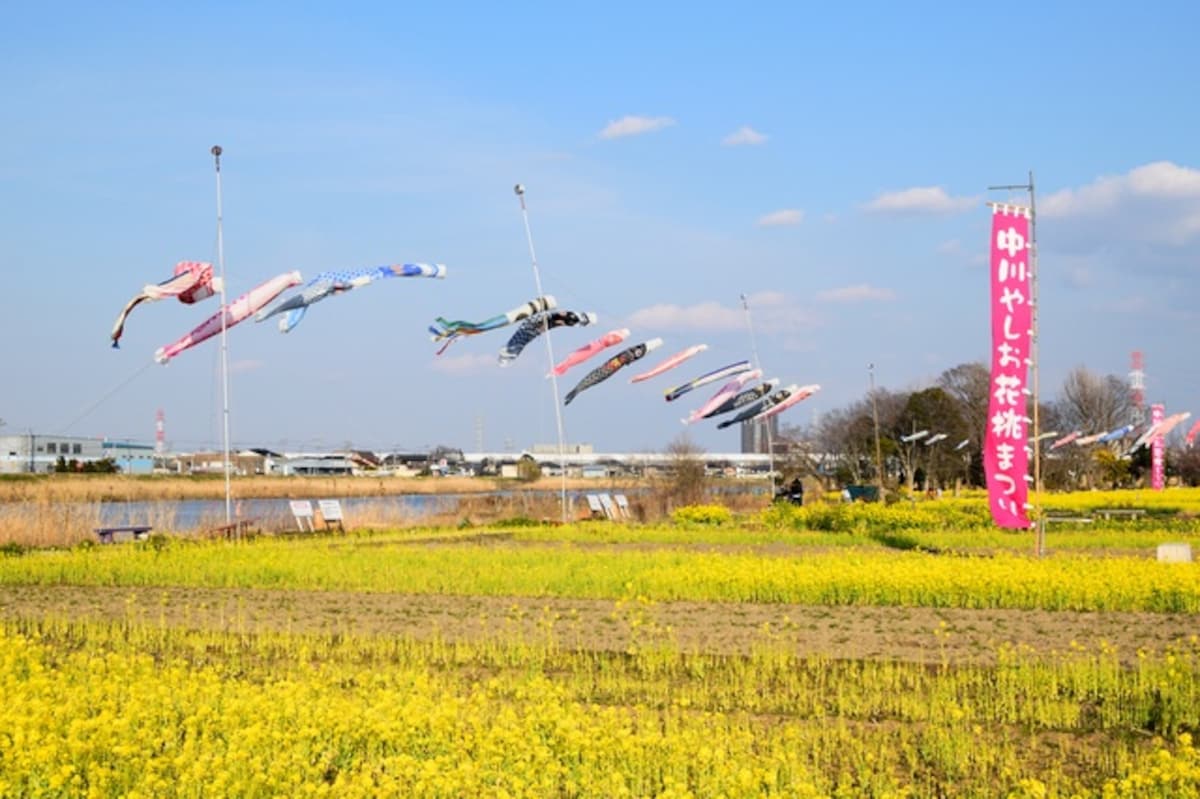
878	449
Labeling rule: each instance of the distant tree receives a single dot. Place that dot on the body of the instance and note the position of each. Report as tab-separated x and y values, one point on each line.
795	455
1090	403
528	469
846	438
448	454
102	466
969	385
931	409
687	483
1186	465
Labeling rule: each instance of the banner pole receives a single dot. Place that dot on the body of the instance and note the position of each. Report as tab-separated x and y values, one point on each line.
1033	365
519	190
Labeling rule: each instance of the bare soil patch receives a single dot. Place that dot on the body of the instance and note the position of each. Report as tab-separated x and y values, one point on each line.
923	635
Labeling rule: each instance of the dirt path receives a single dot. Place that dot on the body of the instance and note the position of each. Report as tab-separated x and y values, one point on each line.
912	634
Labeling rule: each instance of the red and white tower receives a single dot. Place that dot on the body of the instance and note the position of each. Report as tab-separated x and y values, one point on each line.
1137	388
160	441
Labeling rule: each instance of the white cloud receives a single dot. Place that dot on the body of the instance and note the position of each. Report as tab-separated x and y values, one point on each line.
634	126
773	312
861	292
782	218
1157	204
465	364
766	299
1143	222
1161	180
703	316
745	135
920	200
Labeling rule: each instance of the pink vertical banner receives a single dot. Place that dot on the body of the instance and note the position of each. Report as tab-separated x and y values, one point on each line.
1005	459
1158	459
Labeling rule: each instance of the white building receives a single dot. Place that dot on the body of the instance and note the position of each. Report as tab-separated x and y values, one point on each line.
38	453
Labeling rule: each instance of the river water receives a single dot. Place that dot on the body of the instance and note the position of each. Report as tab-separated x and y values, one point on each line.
274	513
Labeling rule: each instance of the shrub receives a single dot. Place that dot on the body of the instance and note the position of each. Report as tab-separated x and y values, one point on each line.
702	514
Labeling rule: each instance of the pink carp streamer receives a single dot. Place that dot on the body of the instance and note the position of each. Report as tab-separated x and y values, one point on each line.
236	311
1160	430
799	394
193	281
591	348
1191	434
726	393
1067	439
670	363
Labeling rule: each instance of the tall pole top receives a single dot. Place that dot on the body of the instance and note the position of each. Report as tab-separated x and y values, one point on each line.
216	152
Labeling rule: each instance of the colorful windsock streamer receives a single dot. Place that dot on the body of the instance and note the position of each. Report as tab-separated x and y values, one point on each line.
537	324
741	400
610	339
236	311
703	380
756	408
612	366
670	363
443	328
724	394
327	284
193	281
798	395
1067	439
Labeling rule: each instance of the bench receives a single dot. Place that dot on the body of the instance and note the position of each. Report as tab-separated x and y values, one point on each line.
137	532
234	529
1060	517
1120	513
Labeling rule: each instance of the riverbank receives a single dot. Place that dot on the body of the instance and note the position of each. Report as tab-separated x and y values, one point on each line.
152	488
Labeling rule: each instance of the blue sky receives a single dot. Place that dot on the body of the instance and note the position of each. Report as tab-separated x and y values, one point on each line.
829	163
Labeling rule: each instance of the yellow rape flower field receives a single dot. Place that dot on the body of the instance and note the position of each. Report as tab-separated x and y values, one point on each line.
908	650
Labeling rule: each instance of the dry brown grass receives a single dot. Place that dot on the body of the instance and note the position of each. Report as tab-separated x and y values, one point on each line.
63	510
49	524
142	488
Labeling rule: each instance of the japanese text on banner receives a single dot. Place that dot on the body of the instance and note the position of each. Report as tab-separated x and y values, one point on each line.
1005	459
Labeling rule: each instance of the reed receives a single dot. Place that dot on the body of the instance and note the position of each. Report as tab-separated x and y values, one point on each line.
111	488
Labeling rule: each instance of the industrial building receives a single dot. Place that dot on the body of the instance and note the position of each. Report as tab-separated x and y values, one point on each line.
37	453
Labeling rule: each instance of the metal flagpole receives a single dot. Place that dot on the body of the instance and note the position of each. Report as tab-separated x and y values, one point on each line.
1040	524
216	153
767	422
537	281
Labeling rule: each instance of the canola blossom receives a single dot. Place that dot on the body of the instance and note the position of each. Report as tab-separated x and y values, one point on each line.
850	577
124	709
